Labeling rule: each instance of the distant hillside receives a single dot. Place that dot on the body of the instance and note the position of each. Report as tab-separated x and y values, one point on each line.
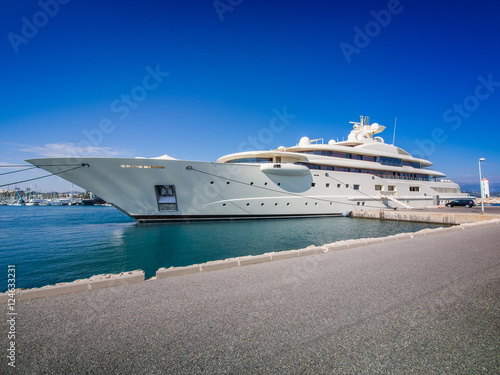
494	188
468	187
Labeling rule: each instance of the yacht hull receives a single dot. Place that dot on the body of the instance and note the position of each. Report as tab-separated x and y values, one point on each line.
152	190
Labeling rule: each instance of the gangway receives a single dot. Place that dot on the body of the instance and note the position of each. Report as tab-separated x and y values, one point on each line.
384	196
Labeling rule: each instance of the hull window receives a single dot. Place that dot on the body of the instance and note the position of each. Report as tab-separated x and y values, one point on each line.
166	198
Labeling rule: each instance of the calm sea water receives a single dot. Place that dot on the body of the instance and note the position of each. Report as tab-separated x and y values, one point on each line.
60	244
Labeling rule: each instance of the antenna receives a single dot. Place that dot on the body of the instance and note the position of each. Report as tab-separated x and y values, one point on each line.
394	136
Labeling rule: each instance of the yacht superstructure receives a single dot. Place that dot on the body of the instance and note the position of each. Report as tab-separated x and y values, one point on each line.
310	179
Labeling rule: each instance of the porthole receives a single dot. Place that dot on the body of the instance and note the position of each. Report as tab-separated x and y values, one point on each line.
279	183
306	203
251	183
262	204
211	182
316	203
288	204
276	204
228	182
265	183
223	204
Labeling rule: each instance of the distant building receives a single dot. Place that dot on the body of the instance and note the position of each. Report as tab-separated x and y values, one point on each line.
486	187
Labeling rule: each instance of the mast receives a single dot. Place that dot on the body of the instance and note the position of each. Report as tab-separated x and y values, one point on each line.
394	136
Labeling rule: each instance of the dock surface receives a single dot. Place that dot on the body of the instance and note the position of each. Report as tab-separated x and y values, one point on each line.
422	305
443	215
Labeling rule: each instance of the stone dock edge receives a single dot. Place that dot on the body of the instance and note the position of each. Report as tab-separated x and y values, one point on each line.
446	218
124	278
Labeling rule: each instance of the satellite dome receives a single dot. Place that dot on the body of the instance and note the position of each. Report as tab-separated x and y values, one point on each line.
304	141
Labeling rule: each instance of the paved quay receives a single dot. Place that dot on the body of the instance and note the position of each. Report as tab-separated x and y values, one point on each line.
422	305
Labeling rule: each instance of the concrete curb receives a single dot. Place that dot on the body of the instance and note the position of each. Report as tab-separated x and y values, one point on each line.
115	280
284	254
54	290
336	246
219	265
249	260
372	241
311	250
4	297
124	278
163	273
95	282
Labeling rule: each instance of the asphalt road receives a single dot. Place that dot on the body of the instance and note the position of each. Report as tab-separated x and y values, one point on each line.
428	305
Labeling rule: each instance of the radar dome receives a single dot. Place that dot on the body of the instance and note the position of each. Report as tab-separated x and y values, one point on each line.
332	142
352	136
304	141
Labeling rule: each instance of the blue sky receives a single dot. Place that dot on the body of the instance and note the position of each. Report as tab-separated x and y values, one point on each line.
201	79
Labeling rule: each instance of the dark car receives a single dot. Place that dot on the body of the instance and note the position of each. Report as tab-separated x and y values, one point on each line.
461	202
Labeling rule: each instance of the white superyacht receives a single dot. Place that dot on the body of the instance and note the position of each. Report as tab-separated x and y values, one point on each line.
310	179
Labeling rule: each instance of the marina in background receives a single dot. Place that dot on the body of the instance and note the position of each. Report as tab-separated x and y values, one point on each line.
18	197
